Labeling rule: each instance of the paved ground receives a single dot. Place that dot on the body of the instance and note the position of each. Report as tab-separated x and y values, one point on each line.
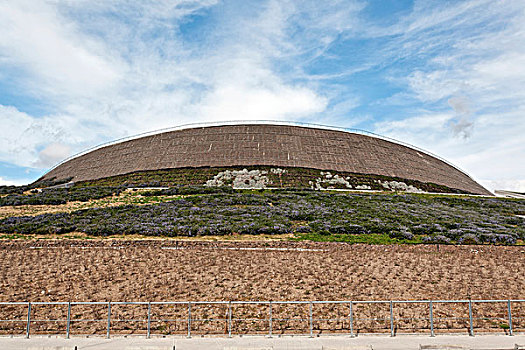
303	343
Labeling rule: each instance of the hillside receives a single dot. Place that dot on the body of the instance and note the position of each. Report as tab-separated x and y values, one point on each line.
100	210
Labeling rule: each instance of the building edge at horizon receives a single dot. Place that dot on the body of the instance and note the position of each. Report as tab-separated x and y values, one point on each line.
264	144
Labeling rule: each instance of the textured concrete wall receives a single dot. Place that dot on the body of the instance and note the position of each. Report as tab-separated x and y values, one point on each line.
262	144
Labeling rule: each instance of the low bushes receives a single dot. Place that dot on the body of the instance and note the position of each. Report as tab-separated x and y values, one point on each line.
60	196
286	177
187	190
21	189
399	218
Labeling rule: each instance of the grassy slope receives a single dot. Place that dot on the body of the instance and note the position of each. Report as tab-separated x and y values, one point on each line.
320	216
292	178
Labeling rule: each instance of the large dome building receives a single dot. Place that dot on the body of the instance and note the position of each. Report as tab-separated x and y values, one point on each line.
280	145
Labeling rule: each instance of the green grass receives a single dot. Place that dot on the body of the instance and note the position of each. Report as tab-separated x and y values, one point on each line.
372	238
14	236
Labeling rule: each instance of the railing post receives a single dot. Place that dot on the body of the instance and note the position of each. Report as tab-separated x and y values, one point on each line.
68	319
470	318
270	311
229	319
189	319
431	312
351	319
270	320
310	318
149	320
391	319
28	318
109	319
510	317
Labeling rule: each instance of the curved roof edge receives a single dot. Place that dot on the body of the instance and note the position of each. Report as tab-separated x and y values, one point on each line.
254	122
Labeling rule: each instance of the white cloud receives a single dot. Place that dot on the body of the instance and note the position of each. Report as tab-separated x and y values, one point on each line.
472	86
245	89
260	103
415	128
107	76
485	155
516	185
56	56
5	182
52	154
22	136
108	69
15	146
460	104
432	86
463	123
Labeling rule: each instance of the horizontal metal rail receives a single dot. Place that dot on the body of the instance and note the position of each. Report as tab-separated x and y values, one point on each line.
272	314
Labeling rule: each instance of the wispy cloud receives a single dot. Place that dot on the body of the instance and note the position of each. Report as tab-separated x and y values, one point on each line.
448	77
110	69
463	124
469	83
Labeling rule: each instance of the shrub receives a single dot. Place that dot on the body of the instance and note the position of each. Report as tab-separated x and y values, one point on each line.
335	216
303	229
496	238
426	229
439	239
57	196
401	233
469	238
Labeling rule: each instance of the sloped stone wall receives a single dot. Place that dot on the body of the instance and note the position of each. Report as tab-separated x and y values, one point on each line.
264	144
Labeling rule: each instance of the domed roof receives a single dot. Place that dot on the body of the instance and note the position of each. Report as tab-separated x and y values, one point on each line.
265	144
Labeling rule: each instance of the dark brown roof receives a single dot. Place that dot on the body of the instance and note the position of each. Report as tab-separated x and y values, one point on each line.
265	144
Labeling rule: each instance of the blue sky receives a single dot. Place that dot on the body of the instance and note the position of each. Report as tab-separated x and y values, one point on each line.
446	76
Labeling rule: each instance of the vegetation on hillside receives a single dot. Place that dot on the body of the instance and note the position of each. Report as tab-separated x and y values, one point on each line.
187	181
325	216
289	178
11	189
56	196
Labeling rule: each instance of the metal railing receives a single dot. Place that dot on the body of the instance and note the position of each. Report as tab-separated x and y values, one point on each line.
269	317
